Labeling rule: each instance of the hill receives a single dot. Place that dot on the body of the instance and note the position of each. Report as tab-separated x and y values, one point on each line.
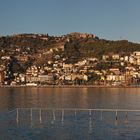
75	46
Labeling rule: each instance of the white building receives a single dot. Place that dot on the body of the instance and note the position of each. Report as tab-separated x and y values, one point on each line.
136	53
132	60
105	57
116	56
117	78
126	58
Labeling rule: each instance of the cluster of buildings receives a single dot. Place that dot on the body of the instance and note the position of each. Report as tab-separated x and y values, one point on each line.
111	70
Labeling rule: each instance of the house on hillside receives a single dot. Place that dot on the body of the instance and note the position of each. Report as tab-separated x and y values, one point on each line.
105	57
116	56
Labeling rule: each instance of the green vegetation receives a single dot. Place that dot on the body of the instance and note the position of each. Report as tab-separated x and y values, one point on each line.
98	47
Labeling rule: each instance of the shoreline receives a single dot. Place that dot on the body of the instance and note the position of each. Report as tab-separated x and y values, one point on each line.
67	86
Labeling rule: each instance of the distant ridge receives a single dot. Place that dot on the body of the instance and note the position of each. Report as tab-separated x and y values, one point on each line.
75	45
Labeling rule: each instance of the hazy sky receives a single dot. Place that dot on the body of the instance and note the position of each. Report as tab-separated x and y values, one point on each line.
109	19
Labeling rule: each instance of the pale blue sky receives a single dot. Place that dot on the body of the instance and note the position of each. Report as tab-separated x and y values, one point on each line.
109	19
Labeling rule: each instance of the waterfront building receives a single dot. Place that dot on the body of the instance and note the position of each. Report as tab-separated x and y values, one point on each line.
46	78
116	78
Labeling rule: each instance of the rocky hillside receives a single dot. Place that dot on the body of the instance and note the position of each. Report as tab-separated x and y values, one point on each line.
74	46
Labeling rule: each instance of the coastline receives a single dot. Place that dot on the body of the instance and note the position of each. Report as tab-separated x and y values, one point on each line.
67	86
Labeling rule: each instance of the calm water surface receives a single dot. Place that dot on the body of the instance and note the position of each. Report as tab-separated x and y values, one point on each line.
82	126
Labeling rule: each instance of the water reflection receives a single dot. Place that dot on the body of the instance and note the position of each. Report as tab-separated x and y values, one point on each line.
75	124
90	124
11	98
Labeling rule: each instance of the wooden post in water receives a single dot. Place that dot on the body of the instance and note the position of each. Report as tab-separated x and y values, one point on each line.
90	122
17	116
75	113
40	117
31	116
116	118
62	120
89	113
93	115
116	115
101	115
126	117
90	125
53	115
